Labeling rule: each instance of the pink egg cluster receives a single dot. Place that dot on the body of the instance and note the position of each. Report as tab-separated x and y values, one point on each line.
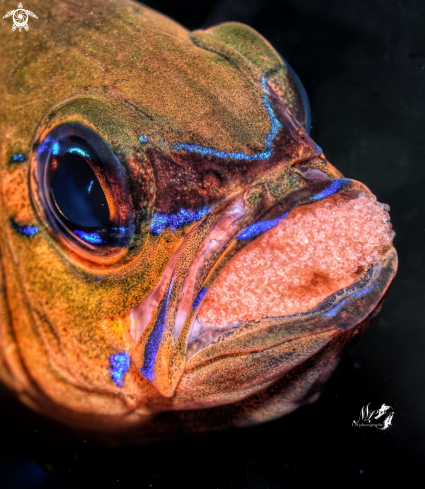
317	250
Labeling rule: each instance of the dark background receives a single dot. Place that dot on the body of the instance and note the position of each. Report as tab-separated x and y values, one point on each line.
363	65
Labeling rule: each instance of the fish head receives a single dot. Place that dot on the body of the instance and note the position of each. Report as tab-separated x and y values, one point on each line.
172	239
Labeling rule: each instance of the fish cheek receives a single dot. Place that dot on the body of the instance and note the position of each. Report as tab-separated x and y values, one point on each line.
45	367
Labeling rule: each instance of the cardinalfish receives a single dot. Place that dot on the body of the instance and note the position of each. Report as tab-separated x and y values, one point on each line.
177	254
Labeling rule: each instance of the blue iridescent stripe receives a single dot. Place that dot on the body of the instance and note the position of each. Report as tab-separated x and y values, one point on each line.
154	340
333	188
79	151
357	295
264	85
263	155
92	238
56	148
199	297
260	227
181	218
120	363
45	145
25	230
18	158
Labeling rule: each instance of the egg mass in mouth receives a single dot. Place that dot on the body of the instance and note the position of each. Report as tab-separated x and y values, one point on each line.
313	252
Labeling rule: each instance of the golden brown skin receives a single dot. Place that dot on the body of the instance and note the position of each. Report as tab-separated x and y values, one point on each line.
126	71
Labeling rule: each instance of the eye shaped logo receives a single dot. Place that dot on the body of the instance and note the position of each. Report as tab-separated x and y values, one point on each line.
20	18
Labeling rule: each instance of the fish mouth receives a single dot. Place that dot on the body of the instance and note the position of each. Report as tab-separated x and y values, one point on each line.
320	251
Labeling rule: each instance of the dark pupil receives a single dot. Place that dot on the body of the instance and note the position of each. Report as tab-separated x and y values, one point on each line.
78	194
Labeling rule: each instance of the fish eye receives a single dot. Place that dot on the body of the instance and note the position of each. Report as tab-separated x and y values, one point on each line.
83	190
78	194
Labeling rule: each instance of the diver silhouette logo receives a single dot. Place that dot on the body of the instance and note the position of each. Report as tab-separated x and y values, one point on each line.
368	418
20	18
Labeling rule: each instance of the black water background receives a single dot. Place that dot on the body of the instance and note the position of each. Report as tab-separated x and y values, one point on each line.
363	65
